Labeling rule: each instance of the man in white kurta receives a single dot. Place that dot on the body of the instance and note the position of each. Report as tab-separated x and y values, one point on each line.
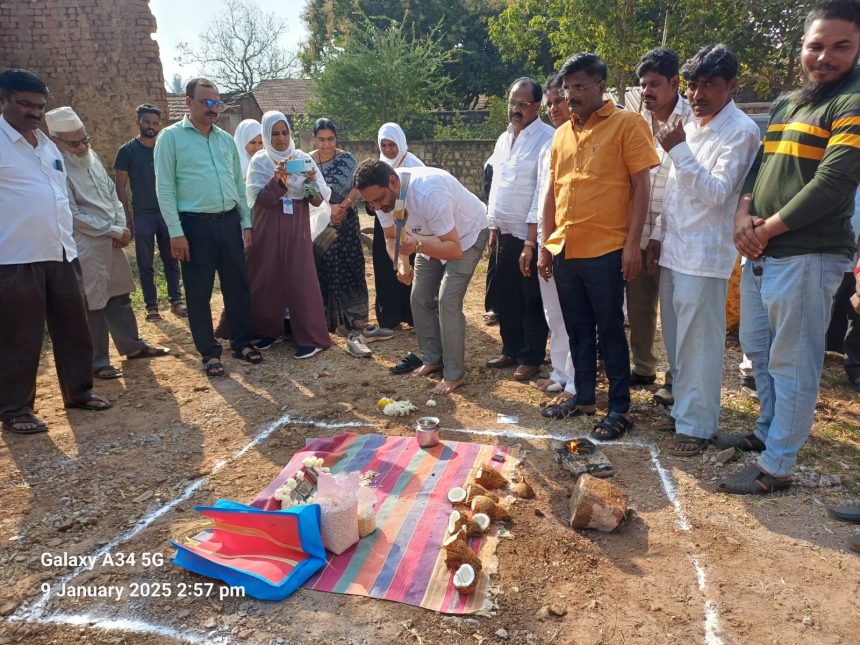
100	235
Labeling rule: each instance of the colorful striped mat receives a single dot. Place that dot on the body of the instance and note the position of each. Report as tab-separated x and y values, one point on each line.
402	560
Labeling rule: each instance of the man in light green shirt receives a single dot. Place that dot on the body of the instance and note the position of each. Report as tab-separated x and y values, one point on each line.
198	179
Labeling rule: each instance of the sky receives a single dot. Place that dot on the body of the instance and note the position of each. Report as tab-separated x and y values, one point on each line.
185	20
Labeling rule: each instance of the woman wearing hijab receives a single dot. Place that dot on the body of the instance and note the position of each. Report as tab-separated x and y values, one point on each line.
281	258
341	267
392	297
249	141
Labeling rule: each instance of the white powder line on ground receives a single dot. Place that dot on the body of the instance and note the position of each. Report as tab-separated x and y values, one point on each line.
35	613
36	610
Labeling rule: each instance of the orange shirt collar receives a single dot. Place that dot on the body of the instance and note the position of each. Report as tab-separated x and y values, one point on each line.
602	113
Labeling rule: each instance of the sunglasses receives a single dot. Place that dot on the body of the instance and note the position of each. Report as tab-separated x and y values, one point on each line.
74	145
211	103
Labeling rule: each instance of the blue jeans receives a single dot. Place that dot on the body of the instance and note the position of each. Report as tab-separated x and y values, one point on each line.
693	313
591	293
784	316
149	230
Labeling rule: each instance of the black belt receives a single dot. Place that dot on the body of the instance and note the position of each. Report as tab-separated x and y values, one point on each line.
215	217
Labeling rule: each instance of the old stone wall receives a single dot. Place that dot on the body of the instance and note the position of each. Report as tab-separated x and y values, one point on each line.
96	55
463	159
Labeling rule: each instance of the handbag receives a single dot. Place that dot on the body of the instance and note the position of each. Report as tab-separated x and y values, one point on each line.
324	240
268	553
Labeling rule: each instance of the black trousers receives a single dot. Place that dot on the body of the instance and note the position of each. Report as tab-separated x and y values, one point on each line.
215	244
843	334
393	304
522	324
31	295
491	297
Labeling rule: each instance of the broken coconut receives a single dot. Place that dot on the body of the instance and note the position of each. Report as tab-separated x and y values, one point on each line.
466	579
490	478
482	504
523	490
597	504
456	521
473	490
457	495
476	526
458	553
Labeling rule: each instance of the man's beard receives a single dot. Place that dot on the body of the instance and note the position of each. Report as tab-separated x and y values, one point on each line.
81	162
812	92
145	133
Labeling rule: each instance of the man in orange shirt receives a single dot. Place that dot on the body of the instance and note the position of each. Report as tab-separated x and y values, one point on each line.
593	215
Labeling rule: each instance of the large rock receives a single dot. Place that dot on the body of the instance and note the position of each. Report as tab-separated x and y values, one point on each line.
597	504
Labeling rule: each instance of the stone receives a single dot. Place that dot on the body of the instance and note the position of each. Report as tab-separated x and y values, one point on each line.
7	608
557	610
450	622
502	633
474	623
210	623
543	612
597	504
808	621
727	455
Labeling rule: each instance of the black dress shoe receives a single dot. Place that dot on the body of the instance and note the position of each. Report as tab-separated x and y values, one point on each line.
846	513
407	364
640	380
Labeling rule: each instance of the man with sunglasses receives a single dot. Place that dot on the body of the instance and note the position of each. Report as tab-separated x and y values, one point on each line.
101	234
522	325
39	267
201	192
594	211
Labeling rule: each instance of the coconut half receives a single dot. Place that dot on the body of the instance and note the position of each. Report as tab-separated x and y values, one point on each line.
473	490
490	478
523	490
456	521
466	579
479	523
457	495
458	553
483	504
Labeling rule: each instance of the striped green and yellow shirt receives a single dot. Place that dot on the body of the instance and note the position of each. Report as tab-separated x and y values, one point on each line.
810	170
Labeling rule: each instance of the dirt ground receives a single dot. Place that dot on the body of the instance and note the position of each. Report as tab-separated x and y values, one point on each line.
766	570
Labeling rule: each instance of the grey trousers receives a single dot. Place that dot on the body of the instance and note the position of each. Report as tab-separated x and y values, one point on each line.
437	297
116	319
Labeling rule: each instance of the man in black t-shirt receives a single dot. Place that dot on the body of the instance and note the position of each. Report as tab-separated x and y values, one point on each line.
134	165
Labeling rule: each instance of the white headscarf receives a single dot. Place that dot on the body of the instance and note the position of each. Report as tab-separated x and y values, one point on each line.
404	158
262	165
245	131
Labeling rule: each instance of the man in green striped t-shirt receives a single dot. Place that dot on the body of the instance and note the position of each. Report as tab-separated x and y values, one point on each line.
201	193
795	230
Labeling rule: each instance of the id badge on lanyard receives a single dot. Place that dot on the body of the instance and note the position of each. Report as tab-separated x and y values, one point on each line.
288	205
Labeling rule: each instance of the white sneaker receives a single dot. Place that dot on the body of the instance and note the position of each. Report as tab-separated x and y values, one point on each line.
355	346
375	333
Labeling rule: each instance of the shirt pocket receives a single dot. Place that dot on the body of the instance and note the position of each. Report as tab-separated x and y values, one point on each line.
599	160
518	167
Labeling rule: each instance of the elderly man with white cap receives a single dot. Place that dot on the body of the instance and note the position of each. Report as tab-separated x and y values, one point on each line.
100	234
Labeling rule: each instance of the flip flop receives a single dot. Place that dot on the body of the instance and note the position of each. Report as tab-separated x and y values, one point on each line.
107	373
150	352
20	419
213	367
251	356
698	444
86	404
752	480
746	442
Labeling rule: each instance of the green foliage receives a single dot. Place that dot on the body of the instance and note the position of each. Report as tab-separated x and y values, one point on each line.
496	122
476	66
765	34
379	74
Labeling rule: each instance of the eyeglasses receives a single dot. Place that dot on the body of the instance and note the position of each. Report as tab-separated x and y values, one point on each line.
210	103
330	139
520	105
576	89
77	144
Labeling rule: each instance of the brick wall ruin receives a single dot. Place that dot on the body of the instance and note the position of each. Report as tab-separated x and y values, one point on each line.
96	55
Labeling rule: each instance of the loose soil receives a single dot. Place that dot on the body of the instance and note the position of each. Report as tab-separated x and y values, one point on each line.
776	568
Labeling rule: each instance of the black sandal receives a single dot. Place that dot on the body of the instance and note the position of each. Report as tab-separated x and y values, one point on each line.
564	410
107	373
149	352
746	442
698	444
93	403
12	424
407	364
249	355
612	426
213	367
752	480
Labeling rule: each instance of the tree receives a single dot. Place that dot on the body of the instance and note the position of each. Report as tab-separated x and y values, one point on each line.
462	26
239	48
381	74
764	34
176	85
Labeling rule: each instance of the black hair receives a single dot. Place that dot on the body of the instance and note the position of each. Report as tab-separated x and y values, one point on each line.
191	87
372	172
147	108
847	10
553	81
661	60
710	61
324	124
537	92
20	80
591	64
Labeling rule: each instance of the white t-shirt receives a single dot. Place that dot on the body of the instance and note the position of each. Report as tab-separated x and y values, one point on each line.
436	203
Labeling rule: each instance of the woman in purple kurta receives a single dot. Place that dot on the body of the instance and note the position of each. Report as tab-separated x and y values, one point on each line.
281	259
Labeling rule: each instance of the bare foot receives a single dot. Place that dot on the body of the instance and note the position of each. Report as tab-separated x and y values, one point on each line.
543	383
446	387
561	398
427	370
